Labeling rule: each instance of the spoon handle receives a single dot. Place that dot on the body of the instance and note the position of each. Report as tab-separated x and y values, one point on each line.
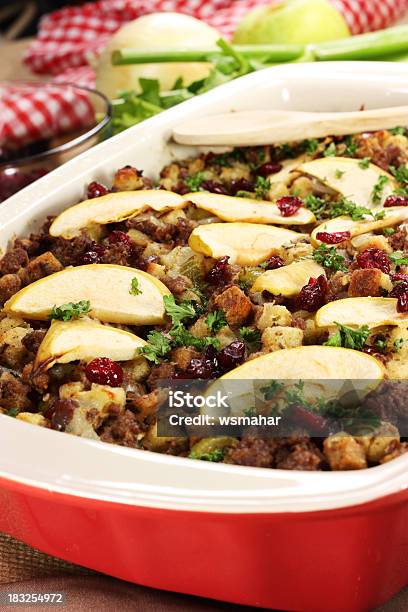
248	128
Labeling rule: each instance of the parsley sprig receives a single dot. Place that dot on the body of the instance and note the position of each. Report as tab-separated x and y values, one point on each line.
330	258
347	337
262	187
193	181
69	311
216	320
134	287
399	258
378	188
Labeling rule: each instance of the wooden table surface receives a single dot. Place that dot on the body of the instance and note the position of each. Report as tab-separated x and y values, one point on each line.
99	592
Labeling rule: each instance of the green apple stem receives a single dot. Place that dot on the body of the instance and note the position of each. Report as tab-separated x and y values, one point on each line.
375	45
269	53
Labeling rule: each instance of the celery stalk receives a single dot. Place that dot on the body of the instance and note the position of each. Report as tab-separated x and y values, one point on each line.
374	45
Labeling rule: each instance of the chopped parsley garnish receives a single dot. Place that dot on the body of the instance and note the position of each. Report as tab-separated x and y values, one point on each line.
262	187
401	173
72	310
134	287
193	181
182	337
357	213
351	146
250	336
329	258
398	131
379	188
271	389
364	163
399	258
216	320
331	150
13	412
310	146
319	207
158	346
349	338
179	312
380	343
215	455
389	231
339	173
249	412
398	344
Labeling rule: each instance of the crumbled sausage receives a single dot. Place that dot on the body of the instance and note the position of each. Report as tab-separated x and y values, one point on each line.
122	429
13	260
33	339
235	304
13	392
9	285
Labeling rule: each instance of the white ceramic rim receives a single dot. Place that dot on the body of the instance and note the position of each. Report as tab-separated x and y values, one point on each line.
53	462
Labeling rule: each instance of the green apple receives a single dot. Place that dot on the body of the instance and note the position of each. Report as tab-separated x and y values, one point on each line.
292	22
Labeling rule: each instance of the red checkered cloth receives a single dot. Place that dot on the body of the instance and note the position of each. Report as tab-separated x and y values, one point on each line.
69	37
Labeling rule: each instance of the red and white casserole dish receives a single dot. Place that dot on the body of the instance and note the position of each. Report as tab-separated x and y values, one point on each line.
315	541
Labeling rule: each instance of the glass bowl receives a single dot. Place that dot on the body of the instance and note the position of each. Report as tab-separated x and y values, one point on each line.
20	167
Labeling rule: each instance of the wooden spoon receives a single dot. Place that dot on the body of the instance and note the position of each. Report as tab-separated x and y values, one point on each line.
248	128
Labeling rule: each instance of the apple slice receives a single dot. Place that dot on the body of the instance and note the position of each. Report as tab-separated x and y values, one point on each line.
288	280
245	243
233	209
107	287
347	177
310	363
392	216
322	369
85	340
112	208
355	312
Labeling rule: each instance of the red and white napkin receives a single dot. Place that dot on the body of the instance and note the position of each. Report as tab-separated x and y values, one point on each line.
68	37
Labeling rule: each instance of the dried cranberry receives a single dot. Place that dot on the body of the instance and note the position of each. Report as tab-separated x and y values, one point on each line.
269	168
333	238
241	185
314	423
118	237
374	258
402	303
96	190
400	291
94	255
104	371
232	355
312	296
399	276
395	200
204	368
289	205
219	271
214	187
274	262
61	413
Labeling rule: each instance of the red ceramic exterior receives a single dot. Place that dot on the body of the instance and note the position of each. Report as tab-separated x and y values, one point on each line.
344	560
